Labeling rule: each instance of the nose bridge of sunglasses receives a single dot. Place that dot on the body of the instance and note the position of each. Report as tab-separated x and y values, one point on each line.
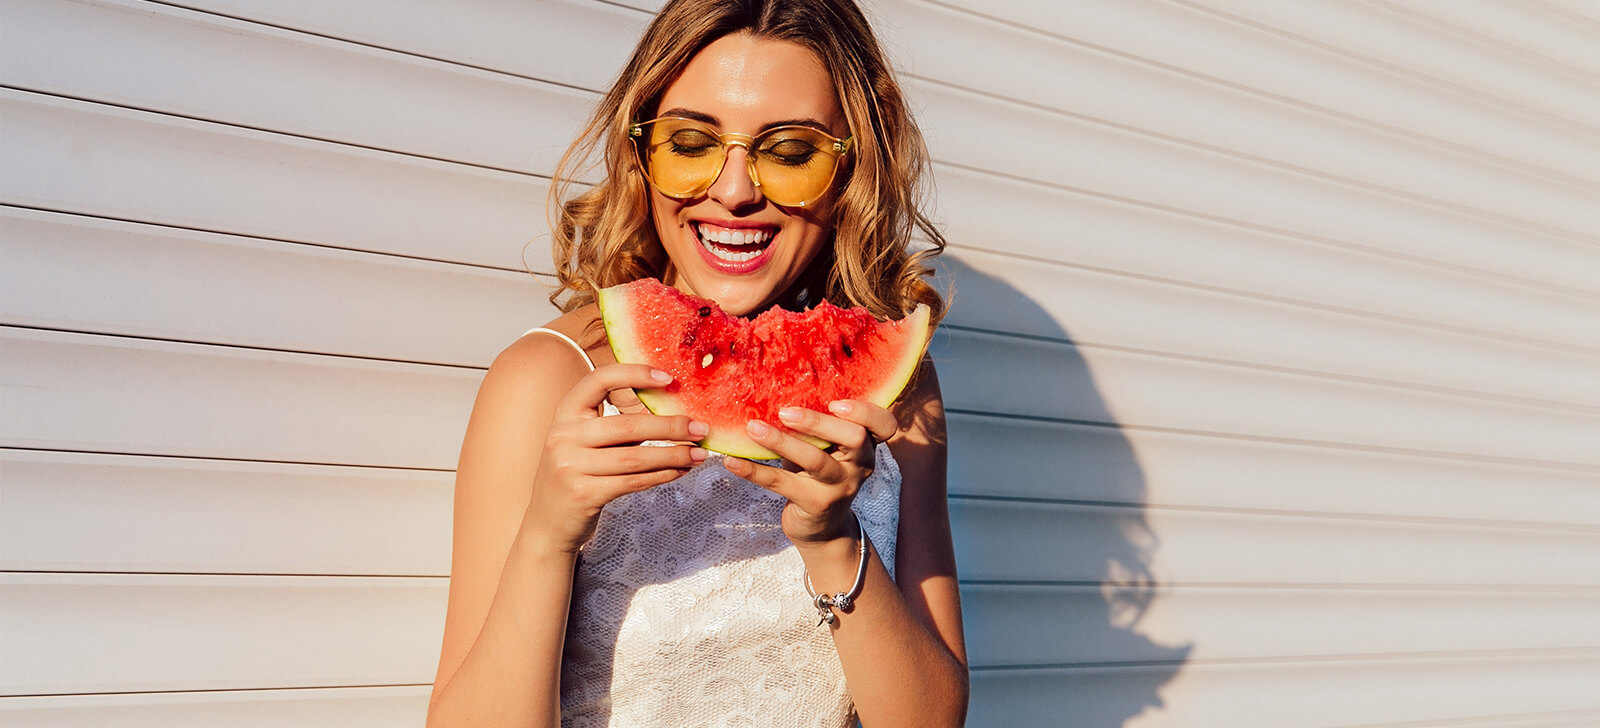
745	144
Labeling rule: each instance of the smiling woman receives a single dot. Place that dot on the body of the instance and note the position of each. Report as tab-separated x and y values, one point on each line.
735	246
757	153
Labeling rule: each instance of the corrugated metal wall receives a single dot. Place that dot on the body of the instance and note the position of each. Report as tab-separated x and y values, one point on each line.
1274	367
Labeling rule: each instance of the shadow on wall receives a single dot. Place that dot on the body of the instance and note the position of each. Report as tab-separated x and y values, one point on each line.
1047	500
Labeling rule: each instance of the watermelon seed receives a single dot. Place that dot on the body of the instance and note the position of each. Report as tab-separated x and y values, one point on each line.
705	311
847	351
705	361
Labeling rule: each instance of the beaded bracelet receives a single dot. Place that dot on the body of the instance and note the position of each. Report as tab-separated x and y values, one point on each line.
842	600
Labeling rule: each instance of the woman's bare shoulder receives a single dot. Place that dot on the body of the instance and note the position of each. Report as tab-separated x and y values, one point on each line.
583	324
920	410
535	350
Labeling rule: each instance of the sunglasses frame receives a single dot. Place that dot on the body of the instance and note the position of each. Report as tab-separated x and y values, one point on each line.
840	147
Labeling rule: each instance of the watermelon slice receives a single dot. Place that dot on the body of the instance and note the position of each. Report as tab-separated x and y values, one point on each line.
727	371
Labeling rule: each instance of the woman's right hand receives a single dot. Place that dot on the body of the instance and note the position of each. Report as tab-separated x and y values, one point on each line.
590	460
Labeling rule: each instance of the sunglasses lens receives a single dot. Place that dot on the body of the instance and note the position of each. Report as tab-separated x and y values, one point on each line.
795	164
682	157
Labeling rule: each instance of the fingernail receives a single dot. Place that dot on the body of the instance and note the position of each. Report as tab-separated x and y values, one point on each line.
698	428
698	453
758	428
789	414
661	377
840	406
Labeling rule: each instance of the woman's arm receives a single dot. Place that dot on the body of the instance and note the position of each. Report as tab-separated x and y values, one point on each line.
506	619
537	464
902	648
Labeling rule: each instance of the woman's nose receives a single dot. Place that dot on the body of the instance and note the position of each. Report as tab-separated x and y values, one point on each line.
734	187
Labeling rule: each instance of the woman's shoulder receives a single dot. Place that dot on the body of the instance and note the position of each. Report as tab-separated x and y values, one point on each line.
922	397
538	346
538	358
920	412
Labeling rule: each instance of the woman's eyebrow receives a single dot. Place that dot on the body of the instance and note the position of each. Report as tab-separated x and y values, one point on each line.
812	123
683	113
705	118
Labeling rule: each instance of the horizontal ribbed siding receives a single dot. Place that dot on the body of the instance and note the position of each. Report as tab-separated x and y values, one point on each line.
1272	367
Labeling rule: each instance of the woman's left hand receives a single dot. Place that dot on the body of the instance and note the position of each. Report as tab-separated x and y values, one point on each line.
821	492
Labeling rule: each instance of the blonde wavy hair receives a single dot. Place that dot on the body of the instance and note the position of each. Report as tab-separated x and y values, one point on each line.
604	236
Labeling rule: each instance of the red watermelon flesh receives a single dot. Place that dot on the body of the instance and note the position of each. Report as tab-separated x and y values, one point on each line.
727	370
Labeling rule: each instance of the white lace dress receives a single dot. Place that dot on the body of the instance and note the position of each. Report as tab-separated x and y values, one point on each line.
689	609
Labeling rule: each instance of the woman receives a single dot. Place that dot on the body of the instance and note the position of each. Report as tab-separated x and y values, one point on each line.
758	153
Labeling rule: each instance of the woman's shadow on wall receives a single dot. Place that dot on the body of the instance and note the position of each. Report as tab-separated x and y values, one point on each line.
1047	500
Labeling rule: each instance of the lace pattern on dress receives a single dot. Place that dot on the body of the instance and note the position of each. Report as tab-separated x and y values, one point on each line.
689	609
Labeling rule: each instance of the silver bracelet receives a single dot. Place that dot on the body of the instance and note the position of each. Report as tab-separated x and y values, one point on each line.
842	600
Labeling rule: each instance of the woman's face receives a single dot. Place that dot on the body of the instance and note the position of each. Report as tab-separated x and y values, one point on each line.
744	84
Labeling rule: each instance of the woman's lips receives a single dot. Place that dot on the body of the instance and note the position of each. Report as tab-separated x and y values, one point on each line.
734	250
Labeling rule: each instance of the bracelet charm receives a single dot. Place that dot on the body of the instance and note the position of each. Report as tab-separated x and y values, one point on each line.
843	600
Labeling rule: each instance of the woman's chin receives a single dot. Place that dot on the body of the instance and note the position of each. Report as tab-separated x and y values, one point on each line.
742	304
739	297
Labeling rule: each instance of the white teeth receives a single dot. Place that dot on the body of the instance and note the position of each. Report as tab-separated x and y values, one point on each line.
730	257
732	237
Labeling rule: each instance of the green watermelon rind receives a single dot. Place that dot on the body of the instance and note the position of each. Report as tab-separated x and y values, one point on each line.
909	360
619	332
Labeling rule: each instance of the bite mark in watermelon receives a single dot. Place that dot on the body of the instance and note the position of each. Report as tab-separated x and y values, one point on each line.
727	370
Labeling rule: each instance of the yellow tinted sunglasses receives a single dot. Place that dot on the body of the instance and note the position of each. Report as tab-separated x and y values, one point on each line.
792	165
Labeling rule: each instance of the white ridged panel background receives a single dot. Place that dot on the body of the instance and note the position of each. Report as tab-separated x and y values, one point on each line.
1274	364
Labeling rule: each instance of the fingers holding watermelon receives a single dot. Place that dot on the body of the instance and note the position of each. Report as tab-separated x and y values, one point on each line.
815	463
817	511
880	423
729	368
589	460
820	494
592	389
644	459
631	429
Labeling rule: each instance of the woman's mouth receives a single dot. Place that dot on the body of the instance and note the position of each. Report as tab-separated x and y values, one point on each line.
734	250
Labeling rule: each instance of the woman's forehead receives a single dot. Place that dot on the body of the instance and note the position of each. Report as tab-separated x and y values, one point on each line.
745	82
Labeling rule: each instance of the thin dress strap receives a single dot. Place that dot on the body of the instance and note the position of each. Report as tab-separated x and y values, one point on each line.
567	339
